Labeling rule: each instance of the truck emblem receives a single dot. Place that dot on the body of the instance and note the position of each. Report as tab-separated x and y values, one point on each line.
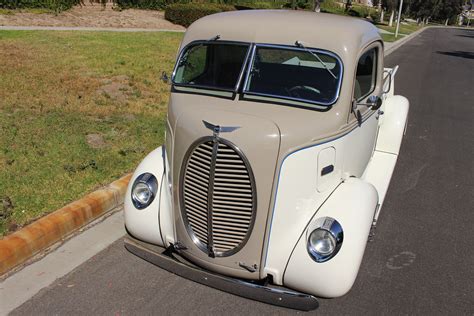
216	129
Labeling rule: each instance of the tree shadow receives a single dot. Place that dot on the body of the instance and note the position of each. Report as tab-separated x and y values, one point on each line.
467	55
466	33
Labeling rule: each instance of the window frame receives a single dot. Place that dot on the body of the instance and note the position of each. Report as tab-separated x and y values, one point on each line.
297	102
374	75
210	90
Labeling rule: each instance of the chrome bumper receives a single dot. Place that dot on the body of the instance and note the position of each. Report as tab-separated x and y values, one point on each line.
170	260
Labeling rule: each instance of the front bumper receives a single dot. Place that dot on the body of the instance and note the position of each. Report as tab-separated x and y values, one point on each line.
170	260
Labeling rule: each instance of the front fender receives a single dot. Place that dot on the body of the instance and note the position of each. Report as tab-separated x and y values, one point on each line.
154	223
353	205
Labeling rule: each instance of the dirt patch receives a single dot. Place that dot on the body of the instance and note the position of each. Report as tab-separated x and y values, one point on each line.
6	208
93	15
116	88
129	117
96	141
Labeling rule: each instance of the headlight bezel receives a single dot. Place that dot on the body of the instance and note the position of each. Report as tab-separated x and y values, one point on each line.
331	226
151	182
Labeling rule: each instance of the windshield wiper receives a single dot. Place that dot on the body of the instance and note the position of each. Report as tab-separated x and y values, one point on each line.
299	44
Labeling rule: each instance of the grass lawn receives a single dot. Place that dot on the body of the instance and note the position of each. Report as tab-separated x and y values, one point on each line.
390	37
405	29
77	111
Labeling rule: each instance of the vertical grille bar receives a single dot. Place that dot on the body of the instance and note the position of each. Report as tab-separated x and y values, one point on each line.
210	194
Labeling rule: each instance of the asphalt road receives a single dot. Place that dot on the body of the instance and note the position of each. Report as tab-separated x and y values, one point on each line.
422	258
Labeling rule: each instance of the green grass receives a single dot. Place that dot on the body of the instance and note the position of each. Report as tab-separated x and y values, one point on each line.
404	28
52	96
390	37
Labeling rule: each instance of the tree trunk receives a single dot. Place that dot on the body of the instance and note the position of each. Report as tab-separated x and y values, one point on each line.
348	5
390	22
381	15
317	6
446	23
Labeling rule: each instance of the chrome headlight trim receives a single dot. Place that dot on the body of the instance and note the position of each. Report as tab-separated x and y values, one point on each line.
151	183
332	226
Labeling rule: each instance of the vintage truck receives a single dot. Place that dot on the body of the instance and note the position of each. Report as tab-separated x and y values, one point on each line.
282	135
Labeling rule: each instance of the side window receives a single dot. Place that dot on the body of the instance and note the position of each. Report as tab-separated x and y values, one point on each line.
366	74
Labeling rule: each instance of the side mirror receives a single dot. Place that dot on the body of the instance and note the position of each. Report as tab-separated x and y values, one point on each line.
374	102
164	77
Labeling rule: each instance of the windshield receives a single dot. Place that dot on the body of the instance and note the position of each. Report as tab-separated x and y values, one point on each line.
300	75
212	65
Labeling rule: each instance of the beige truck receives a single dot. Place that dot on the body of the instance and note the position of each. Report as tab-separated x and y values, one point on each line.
281	138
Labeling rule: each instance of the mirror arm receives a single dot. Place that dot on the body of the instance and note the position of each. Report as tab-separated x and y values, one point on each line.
375	105
389	77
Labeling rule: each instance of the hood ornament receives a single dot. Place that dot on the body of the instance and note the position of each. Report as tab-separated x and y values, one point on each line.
217	129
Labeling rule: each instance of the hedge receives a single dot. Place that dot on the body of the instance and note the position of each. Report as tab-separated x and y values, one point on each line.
56	5
186	13
144	4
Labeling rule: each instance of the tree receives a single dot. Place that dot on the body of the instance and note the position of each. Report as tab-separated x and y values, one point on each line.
390	5
440	10
317	5
448	10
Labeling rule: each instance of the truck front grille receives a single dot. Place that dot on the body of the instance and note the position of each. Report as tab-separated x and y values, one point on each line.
218	198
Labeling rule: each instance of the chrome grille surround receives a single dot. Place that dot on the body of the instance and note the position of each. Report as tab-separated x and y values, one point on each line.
217	196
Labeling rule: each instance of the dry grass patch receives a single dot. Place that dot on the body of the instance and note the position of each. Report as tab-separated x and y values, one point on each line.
59	88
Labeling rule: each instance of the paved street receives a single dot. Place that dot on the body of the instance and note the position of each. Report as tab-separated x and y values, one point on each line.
422	258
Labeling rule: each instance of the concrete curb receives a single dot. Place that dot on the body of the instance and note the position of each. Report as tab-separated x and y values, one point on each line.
30	240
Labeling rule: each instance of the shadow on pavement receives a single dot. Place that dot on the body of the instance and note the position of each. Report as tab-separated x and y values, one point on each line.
467	55
466	33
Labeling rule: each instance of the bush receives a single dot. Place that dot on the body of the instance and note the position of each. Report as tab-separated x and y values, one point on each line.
363	12
186	13
56	5
331	6
143	4
374	16
259	5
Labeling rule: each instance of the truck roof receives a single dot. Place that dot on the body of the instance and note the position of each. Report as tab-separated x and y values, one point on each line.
345	36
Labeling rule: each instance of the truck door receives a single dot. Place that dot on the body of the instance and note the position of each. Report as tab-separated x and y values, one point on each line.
361	141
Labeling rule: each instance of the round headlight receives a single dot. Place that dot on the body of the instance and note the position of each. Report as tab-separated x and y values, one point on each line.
144	190
322	242
325	241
